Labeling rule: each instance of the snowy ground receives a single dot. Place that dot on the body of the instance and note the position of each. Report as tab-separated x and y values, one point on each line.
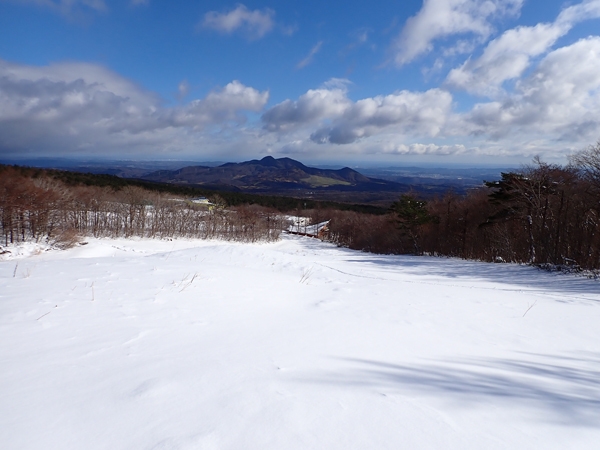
294	345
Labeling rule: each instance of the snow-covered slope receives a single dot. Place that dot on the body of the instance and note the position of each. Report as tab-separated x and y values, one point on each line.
123	344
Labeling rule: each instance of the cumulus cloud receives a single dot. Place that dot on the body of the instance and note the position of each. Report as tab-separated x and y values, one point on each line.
329	102
442	18
219	106
560	98
75	105
416	113
508	56
339	120
306	61
253	24
504	58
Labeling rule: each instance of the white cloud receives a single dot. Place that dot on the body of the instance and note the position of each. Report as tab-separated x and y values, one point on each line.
69	106
415	113
443	18
306	61
504	58
508	56
560	99
225	103
218	107
341	121
588	9
316	104
254	24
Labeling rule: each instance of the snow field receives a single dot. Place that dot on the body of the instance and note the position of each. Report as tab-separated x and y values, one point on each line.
141	344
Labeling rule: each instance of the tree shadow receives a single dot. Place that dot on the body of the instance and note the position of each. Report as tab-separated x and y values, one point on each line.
463	272
564	389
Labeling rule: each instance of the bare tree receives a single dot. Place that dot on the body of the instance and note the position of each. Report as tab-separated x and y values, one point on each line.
588	162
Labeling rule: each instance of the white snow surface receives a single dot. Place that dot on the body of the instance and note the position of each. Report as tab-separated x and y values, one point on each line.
144	344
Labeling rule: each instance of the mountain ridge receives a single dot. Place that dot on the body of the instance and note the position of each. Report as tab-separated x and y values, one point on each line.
271	175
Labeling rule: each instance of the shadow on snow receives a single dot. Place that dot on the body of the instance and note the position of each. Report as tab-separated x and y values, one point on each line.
467	272
566	390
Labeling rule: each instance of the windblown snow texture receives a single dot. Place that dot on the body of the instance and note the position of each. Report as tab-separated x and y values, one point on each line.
138	344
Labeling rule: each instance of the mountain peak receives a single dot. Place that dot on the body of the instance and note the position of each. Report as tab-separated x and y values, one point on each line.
279	163
268	161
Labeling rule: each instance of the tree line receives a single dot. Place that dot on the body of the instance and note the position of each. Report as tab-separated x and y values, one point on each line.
35	206
544	214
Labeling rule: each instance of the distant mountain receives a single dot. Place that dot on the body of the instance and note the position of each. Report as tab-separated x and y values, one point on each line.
274	175
119	168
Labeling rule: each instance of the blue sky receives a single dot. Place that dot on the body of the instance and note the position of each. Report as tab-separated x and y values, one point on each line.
436	81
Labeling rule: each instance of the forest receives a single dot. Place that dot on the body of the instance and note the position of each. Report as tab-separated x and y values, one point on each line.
544	214
35	205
